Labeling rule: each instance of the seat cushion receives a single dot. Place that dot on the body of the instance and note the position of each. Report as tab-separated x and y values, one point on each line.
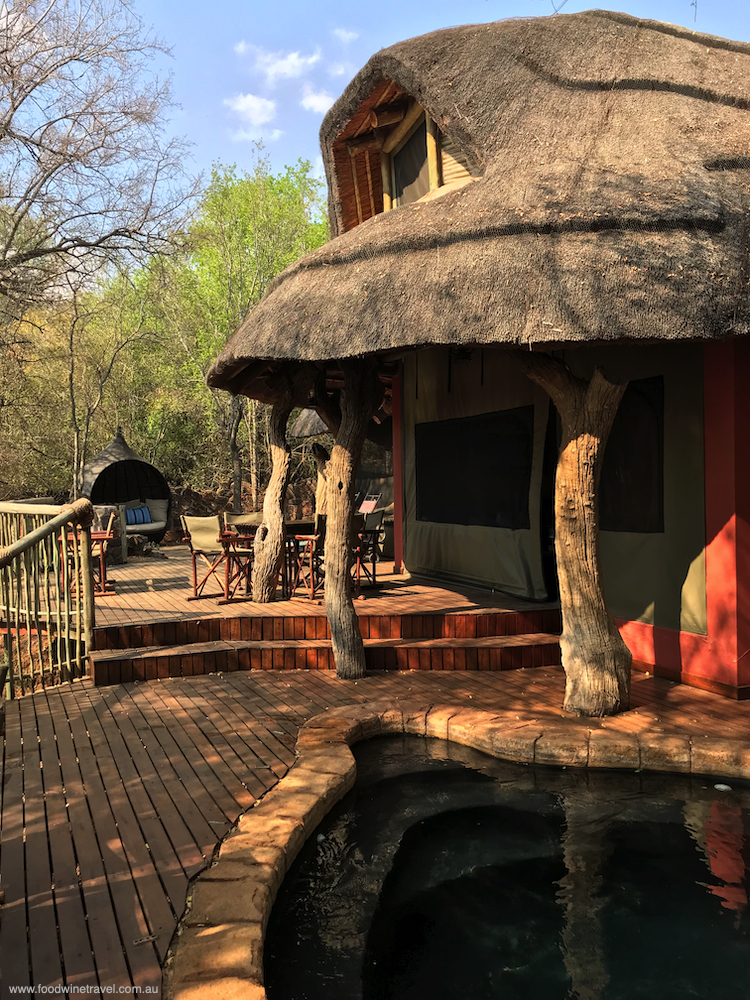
150	528
138	515
158	508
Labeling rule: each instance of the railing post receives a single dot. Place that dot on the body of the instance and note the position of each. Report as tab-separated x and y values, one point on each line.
87	585
10	687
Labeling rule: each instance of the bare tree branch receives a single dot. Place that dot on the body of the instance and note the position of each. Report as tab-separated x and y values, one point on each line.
87	173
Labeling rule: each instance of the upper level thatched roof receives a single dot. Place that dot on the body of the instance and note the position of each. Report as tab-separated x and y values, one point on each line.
613	203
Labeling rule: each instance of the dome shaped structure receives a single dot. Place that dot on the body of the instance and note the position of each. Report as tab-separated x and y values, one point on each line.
117	475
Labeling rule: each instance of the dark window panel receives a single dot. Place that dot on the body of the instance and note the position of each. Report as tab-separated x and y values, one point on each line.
631	494
476	470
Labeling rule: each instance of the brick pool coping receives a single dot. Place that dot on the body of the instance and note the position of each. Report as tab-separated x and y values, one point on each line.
217	953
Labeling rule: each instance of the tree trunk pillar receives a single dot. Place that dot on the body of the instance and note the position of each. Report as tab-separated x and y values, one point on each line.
360	398
596	661
269	539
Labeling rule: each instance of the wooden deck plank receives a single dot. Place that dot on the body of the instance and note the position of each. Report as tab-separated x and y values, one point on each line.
14	947
42	920
156	781
202	754
105	936
214	728
70	910
154	897
115	751
141	959
218	801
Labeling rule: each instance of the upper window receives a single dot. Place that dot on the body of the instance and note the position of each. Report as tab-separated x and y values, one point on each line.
411	173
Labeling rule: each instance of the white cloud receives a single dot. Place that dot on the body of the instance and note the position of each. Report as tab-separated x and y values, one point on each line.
345	36
241	47
340	69
280	66
316	100
254	110
253	135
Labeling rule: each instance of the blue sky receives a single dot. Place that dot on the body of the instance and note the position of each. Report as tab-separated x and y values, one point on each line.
247	70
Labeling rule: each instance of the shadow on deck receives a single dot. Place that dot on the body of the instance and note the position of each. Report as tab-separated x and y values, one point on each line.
114	798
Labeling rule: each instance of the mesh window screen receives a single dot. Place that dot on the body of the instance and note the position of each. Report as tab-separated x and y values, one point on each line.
128	480
631	494
410	169
476	470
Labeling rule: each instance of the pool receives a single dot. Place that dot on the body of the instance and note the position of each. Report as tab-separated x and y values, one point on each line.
452	875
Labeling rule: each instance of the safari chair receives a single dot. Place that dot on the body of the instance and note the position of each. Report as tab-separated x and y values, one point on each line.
202	535
253	520
238	564
369	545
358	525
240	529
102	588
307	559
369	503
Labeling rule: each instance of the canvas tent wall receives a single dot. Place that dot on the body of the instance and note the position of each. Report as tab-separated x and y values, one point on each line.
117	476
474	458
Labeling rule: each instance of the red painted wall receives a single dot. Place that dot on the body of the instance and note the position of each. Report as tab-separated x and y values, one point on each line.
719	661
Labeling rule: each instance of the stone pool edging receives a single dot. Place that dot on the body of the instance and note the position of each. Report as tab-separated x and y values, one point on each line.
217	953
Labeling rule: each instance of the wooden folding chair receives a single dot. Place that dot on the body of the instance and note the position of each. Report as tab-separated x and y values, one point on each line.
355	542
368	546
369	503
202	535
308	559
99	546
238	565
237	538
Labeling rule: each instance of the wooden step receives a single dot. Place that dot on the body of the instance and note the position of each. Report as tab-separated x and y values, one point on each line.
268	628
507	652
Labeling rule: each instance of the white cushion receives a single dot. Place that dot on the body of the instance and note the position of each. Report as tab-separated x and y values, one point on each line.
146	529
158	509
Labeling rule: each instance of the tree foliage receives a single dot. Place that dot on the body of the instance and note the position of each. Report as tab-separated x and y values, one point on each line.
248	227
86	172
132	347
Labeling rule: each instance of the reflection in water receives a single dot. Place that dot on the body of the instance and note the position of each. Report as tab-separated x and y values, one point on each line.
718	830
585	847
448	875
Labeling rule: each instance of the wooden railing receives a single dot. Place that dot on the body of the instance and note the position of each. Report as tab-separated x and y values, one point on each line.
46	594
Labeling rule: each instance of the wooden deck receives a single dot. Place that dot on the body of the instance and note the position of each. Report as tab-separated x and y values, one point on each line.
151	629
157	589
114	798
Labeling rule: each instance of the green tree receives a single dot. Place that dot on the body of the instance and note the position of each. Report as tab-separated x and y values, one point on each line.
248	227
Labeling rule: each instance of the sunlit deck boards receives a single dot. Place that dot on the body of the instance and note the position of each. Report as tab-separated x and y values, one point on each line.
113	798
149	590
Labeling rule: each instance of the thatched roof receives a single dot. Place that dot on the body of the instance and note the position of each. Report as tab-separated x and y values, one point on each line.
613	202
308	424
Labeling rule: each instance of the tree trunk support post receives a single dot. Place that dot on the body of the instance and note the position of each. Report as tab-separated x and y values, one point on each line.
269	539
596	661
360	398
